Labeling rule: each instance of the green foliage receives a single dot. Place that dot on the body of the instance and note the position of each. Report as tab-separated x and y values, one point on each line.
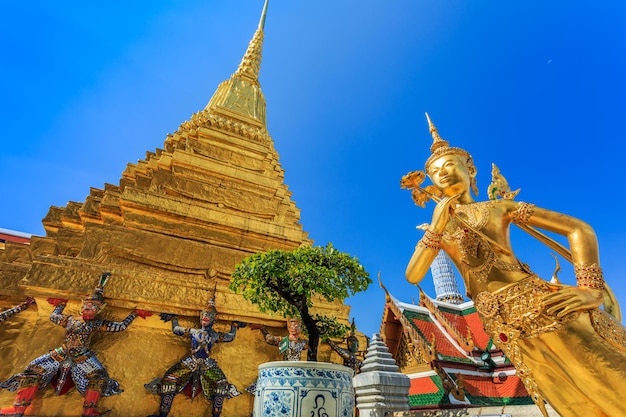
329	327
277	281
287	282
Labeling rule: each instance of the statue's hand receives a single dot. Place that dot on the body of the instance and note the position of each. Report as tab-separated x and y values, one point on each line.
143	313
443	210
29	301
239	324
255	326
568	299
56	301
166	316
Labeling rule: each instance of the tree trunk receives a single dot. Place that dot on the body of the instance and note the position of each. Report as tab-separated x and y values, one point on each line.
314	336
314	340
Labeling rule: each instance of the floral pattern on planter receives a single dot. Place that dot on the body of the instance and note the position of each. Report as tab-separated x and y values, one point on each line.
278	403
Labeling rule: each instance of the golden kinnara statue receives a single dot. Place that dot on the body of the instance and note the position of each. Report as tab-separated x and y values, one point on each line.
567	350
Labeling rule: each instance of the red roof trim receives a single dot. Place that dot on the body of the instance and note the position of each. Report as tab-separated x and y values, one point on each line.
12	238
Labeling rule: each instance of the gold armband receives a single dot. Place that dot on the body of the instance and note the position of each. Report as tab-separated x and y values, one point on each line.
431	240
589	276
522	213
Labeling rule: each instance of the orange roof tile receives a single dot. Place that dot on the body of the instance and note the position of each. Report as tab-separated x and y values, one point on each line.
463	321
442	343
424	385
506	387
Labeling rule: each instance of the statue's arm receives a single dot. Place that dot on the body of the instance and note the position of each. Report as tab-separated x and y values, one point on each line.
423	256
57	316
342	352
582	240
230	336
14	310
270	339
118	326
583	246
179	330
429	245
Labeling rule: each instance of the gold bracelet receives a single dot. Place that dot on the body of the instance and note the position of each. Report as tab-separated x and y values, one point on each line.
589	276
431	240
522	213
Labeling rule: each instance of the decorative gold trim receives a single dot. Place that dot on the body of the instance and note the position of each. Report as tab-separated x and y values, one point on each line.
431	240
522	213
589	276
608	328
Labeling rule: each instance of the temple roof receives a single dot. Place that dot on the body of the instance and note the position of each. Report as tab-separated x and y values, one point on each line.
439	346
427	391
7	235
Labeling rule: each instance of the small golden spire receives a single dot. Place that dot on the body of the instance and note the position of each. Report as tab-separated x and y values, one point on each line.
250	65
263	14
387	295
438	142
240	98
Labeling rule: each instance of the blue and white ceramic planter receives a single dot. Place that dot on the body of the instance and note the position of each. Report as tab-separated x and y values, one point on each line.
304	389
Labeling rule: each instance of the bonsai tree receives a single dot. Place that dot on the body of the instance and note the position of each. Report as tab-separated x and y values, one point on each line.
286	282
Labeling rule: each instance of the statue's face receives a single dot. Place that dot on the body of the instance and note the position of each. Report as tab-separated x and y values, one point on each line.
450	174
207	318
353	345
294	327
90	309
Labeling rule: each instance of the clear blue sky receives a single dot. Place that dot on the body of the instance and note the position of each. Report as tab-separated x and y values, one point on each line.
536	86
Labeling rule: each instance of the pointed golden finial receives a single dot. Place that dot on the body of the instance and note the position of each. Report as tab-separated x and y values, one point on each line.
250	65
438	142
240	98
263	14
380	282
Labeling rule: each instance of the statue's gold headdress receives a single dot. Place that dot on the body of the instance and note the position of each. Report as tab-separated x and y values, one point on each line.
440	147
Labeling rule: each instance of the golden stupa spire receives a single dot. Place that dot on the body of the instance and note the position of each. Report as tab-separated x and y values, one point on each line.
250	65
238	104
240	97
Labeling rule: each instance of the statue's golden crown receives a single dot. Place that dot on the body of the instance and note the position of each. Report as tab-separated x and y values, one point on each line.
440	147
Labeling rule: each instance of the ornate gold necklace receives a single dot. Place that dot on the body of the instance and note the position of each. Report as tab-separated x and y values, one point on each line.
475	214
470	243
